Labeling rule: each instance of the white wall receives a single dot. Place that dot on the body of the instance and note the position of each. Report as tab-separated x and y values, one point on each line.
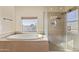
29	12
15	14
6	25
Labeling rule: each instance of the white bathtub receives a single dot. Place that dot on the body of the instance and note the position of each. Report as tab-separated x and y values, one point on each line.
25	36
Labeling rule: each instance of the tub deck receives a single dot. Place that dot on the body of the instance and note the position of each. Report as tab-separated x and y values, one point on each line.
24	45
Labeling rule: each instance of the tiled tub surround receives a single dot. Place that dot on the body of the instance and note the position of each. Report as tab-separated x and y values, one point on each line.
38	45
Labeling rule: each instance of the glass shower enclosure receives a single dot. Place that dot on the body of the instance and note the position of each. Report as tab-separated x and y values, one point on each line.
72	30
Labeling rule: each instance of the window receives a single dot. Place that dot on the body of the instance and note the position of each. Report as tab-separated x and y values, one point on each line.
71	16
72	21
29	24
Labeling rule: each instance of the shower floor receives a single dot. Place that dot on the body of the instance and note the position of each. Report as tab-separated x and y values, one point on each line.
69	42
72	42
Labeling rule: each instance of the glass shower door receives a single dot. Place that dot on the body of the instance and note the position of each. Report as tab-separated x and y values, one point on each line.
72	30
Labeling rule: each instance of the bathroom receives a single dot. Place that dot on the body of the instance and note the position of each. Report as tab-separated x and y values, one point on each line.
35	29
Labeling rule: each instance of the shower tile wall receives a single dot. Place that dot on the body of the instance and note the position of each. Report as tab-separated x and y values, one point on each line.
56	33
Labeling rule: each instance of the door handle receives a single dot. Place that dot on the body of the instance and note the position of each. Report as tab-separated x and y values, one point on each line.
69	28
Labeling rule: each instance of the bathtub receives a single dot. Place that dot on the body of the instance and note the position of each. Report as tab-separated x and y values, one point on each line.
25	43
25	36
